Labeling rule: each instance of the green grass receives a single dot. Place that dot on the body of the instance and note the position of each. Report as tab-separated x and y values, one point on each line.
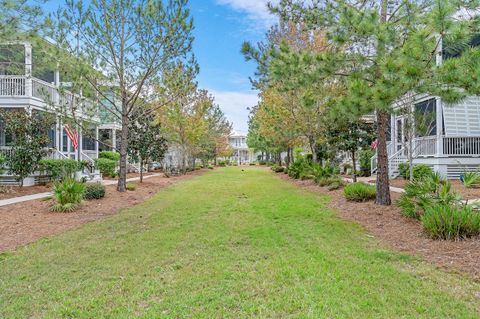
228	244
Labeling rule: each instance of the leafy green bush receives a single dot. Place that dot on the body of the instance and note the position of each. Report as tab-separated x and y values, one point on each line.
252	164
210	167
106	166
262	162
365	159
94	191
419	171
111	155
359	192
60	168
450	222
222	163
424	193
68	195
471	179
277	168
131	186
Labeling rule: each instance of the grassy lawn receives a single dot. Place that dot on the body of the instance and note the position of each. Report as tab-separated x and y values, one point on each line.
229	244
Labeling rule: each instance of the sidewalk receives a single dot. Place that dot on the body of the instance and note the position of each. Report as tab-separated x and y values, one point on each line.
366	179
21	199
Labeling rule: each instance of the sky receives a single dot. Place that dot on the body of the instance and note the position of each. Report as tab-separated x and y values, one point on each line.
221	26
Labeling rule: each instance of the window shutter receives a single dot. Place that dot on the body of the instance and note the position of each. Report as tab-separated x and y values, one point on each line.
463	118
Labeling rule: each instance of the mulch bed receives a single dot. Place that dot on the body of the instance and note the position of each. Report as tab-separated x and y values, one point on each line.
26	222
401	233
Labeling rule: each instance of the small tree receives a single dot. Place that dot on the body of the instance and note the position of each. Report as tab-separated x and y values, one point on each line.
29	131
146	141
120	50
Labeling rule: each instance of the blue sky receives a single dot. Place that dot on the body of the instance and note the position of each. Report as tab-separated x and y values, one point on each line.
221	26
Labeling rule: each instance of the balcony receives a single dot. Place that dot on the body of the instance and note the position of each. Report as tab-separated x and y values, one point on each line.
451	146
45	95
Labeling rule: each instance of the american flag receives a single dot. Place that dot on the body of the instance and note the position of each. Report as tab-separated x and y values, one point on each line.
375	145
72	135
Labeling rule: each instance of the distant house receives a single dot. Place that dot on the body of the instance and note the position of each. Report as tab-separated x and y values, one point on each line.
241	153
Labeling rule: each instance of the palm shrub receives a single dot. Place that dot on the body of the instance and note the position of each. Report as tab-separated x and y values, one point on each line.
299	168
450	222
68	195
420	171
471	179
94	191
423	193
359	192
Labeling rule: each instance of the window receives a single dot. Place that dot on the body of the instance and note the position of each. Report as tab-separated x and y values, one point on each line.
426	118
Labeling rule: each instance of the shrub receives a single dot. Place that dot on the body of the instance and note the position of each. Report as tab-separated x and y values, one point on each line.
111	155
60	168
106	166
262	162
365	159
68	195
327	181
94	191
131	186
335	185
210	167
222	163
277	168
449	222
252	164
359	192
471	179
322	172
424	193
420	171
301	167
307	177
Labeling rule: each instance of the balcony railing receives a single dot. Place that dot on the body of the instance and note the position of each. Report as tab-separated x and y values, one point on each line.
425	146
22	86
461	146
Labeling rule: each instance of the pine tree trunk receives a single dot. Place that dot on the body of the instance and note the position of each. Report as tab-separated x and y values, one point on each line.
141	170
383	183
354	166
122	178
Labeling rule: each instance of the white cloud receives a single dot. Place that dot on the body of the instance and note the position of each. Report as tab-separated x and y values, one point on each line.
234	105
256	10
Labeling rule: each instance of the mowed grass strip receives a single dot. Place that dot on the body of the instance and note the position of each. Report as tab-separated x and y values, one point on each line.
228	244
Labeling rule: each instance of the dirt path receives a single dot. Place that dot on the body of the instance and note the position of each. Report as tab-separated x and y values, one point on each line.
27	222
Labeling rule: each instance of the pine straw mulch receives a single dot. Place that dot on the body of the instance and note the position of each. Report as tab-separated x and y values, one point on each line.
401	233
26	222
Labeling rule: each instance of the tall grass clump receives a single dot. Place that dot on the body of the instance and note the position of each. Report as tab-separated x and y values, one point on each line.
359	192
451	222
471	179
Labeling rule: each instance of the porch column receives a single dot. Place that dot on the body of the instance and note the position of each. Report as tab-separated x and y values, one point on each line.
393	133
439	120
28	69
56	79
96	140
114	139
58	134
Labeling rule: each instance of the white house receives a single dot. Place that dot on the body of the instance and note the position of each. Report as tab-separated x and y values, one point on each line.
241	153
23	87
451	142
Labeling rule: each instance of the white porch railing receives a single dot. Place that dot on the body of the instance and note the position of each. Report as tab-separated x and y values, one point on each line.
461	146
22	86
423	146
374	159
12	85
